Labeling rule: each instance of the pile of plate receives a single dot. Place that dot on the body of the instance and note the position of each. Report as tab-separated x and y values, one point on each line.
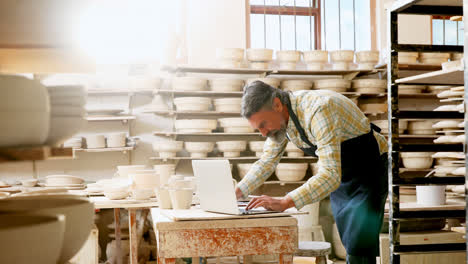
230	57
369	85
449	164
64	181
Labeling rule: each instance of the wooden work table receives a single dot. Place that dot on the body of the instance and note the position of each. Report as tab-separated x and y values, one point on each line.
228	237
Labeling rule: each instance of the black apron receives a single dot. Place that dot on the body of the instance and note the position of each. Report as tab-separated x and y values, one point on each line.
358	203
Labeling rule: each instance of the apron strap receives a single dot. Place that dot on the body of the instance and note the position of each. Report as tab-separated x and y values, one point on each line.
298	125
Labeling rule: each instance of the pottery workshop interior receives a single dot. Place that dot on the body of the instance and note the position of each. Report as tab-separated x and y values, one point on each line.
232	131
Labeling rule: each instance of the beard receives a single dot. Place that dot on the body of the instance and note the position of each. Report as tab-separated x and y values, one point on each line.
278	135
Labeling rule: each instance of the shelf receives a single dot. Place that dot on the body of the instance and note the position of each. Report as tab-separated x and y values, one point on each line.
203	113
444	7
200	93
204	134
351	73
430	115
118	92
233	159
442	77
9	154
430	181
110	118
282	183
123	149
413	67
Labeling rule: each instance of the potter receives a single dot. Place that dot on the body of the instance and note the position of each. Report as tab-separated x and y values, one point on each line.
352	160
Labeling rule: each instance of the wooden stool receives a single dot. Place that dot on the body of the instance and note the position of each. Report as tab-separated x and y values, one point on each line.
319	250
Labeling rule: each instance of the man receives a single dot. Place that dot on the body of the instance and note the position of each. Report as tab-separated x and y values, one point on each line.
352	160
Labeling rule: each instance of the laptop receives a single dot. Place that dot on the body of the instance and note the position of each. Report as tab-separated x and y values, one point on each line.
216	189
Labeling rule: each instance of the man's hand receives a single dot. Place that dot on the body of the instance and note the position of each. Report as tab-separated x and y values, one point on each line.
239	193
269	203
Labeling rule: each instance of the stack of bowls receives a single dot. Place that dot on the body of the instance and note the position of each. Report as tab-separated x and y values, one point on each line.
199	149
315	59
341	59
290	172
367	60
433	58
369	85
192	104
296	85
79	219
421	128
67	106
189	84
288	59
408	57
270	81
259	58
337	85
228	105
231	148
167	148
383	125
226	85
230	57
411	89
195	125
235	125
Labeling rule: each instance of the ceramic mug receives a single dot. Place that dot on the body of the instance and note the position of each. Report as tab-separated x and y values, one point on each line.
116	140
95	141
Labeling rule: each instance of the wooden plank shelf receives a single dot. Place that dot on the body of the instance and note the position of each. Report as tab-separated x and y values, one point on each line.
8	154
110	118
169	133
122	149
442	77
290	159
117	92
191	113
200	93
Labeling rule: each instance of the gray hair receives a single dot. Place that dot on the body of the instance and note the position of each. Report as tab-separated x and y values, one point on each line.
259	96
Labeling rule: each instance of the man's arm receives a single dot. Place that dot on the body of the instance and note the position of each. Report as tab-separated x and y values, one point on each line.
262	169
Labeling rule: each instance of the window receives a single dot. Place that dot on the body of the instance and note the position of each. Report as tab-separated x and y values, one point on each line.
446	32
310	24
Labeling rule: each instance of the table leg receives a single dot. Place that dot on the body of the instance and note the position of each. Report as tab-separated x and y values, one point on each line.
132	225
247	259
286	258
118	248
195	260
166	260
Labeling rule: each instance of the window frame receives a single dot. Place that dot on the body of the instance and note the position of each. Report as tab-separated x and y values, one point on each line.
442	18
287	10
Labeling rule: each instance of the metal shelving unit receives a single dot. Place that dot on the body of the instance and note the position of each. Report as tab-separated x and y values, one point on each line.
441	77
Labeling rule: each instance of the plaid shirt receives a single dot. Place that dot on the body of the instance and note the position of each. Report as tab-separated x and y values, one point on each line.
328	118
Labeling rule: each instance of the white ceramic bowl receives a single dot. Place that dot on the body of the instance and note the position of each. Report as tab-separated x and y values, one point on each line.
199	149
228	105
430	195
116	140
124	170
167	148
29	182
417	160
23	128
291	171
236	54
287	65
231	148
181	199
30	238
259	55
341	56
164	198
270	81
63	179
226	85
369	83
296	85
146	179
421	127
337	85
195	104
315	56
189	84
259	65
20	94
165	171
95	141
243	169
383	124
116	195
315	66
142	194
195	125
367	56
293	151
288	55
79	217
340	66
235	125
